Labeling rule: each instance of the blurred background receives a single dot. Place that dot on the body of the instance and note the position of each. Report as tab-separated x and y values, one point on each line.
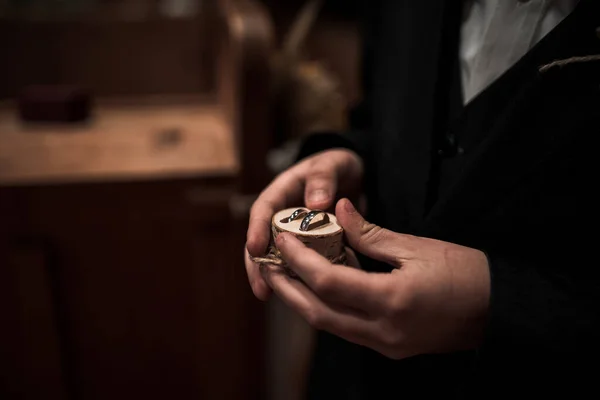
134	137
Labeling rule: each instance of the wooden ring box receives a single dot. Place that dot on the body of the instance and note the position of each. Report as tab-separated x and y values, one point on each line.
324	235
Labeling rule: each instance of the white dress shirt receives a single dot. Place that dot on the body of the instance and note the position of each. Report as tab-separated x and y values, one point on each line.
495	34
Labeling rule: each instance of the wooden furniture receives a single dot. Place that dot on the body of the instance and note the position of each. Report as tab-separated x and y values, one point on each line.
121	272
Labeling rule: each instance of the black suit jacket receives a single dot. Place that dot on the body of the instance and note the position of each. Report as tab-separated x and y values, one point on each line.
513	174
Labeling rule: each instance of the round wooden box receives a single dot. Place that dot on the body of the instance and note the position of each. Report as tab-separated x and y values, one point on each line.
318	230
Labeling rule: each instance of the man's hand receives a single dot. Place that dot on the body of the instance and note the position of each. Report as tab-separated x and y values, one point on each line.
316	181
435	300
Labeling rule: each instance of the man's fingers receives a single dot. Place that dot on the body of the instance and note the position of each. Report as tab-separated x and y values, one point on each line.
372	240
274	198
259	228
321	186
320	315
348	287
259	287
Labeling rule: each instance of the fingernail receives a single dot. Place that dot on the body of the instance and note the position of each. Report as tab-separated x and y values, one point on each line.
318	195
349	207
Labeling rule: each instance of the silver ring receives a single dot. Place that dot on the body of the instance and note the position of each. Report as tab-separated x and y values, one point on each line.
305	225
295	215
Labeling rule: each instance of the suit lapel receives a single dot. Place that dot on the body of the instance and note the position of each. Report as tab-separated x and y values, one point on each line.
411	57
508	124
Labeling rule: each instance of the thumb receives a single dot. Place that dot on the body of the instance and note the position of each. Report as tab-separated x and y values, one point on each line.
369	239
321	186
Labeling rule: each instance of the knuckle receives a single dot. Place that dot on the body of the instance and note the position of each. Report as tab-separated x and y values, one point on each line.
258	211
320	177
314	318
253	208
398	307
395	355
391	338
370	234
407	294
284	175
257	207
322	165
339	155
323	285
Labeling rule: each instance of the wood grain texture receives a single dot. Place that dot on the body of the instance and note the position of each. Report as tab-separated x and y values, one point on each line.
122	142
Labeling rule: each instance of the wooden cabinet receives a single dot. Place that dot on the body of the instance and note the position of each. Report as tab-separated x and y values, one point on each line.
129	290
121	269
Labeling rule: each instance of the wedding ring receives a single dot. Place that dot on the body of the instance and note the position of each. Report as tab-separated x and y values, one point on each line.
306	222
295	215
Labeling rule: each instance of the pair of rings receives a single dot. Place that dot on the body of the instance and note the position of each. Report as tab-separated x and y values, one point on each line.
306	225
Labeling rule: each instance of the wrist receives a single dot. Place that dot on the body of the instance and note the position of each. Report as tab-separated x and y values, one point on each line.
473	297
